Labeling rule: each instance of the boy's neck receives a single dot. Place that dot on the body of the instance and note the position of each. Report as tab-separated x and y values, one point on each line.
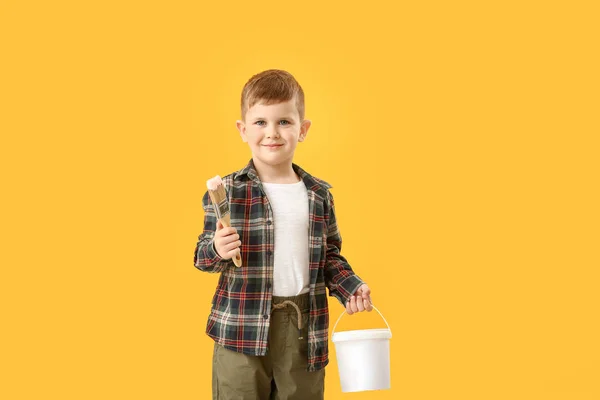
283	173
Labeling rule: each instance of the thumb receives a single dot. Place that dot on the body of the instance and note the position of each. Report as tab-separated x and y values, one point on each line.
219	225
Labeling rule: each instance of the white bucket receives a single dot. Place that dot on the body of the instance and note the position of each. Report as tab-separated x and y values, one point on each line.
363	357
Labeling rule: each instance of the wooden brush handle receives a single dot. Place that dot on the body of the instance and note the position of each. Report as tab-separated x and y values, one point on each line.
237	259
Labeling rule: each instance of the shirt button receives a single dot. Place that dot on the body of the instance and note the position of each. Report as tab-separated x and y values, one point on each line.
268	286
269	252
269	222
266	316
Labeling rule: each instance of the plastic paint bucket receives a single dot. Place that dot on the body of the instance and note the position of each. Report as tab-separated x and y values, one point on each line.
363	357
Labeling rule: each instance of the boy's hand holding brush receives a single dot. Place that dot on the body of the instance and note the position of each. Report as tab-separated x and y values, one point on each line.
226	239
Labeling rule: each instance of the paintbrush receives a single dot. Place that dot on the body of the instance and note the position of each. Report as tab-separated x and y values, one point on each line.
218	196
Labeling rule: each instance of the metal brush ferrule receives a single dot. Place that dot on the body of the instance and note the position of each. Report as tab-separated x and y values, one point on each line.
222	209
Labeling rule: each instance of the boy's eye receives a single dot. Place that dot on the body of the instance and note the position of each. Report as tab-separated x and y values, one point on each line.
283	120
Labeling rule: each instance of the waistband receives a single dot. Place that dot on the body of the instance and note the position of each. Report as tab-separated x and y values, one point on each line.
301	300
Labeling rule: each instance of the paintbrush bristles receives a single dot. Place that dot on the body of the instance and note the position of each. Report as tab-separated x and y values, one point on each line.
213	183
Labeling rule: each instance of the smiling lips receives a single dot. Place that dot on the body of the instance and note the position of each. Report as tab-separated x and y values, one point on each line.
272	145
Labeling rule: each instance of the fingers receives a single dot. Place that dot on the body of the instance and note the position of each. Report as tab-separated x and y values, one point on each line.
365	291
360	304
368	305
222	241
349	309
228	251
227	241
361	301
232	253
224	231
232	245
352	306
225	236
365	294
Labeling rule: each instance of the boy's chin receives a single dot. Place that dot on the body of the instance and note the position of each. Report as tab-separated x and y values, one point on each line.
272	161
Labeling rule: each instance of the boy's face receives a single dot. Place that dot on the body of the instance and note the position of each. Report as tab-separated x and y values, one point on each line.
273	131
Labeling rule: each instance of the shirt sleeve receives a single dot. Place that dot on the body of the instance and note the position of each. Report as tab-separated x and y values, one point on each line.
206	257
339	276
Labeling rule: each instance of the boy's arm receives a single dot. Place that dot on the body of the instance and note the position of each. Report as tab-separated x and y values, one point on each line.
206	257
339	277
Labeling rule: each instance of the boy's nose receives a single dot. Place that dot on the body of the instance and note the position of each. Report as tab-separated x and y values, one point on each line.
272	133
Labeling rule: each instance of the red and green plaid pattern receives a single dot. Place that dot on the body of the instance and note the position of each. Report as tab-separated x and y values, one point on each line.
241	306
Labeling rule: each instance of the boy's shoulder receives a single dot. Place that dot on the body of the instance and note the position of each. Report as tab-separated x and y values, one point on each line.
310	179
237	176
326	185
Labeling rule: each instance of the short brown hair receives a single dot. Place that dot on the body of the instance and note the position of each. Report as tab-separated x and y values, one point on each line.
271	87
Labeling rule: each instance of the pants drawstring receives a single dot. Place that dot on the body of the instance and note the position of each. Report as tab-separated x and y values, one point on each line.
282	305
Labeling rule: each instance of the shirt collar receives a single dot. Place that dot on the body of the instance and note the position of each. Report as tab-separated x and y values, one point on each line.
316	185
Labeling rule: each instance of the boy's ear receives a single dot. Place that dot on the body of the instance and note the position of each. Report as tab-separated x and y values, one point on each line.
242	128
304	130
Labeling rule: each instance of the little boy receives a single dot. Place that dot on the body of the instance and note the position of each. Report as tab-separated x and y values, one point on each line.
269	318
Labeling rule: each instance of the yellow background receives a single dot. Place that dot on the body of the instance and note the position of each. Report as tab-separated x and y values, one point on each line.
461	139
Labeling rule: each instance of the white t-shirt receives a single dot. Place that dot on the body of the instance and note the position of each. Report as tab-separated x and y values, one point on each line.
289	202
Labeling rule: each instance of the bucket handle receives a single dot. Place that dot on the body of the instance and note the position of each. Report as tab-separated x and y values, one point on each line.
344	312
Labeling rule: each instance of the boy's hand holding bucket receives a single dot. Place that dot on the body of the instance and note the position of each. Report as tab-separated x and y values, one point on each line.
360	301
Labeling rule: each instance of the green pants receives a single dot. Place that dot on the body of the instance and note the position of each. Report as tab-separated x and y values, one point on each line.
279	375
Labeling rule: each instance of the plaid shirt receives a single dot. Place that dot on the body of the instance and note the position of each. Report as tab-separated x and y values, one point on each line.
240	314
